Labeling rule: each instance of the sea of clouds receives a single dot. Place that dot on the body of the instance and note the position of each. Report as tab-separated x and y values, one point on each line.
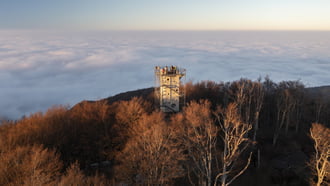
41	69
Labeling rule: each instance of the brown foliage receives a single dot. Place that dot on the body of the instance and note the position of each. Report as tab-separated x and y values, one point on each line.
90	124
127	115
151	156
129	112
199	138
36	129
29	166
200	133
148	149
75	177
207	90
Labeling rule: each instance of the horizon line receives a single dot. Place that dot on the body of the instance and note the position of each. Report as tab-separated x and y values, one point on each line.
166	30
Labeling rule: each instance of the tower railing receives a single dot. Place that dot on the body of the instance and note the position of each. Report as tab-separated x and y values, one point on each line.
168	90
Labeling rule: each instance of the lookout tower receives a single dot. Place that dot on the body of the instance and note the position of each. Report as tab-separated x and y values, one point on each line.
168	90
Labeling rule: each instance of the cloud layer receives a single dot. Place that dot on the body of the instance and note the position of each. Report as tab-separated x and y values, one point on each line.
38	69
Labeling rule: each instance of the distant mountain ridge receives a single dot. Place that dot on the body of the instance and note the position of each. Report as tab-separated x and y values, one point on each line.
322	92
125	96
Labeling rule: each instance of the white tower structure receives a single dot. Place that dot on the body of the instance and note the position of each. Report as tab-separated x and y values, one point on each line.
168	89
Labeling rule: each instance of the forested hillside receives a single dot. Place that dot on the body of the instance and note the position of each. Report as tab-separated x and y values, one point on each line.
236	133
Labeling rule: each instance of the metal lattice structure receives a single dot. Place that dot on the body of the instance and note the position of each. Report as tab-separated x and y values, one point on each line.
168	89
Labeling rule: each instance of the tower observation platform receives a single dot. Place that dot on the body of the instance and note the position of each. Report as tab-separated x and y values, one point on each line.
169	90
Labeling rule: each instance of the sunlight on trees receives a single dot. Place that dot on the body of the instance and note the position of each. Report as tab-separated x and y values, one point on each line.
200	134
288	105
235	141
129	112
151	156
74	176
208	143
321	163
29	166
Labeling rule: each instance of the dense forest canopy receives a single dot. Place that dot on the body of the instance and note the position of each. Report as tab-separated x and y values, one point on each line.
236	133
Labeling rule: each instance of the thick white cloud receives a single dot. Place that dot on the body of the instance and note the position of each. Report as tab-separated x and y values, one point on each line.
39	69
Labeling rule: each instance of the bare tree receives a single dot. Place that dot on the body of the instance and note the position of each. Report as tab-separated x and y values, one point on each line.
257	102
321	164
269	101
289	98
29	165
319	105
299	102
284	105
75	177
128	114
258	99
42	167
297	95
200	135
235	142
243	98
151	156
249	97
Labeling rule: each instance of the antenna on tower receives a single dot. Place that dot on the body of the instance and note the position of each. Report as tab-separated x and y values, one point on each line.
169	90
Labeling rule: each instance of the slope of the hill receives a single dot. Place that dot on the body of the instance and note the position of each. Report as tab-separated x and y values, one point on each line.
315	92
284	162
322	92
101	135
144	93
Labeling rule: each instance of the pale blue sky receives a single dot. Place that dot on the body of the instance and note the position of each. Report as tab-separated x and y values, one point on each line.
166	14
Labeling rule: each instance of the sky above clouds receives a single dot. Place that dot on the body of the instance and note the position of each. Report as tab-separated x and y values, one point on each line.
168	15
65	51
